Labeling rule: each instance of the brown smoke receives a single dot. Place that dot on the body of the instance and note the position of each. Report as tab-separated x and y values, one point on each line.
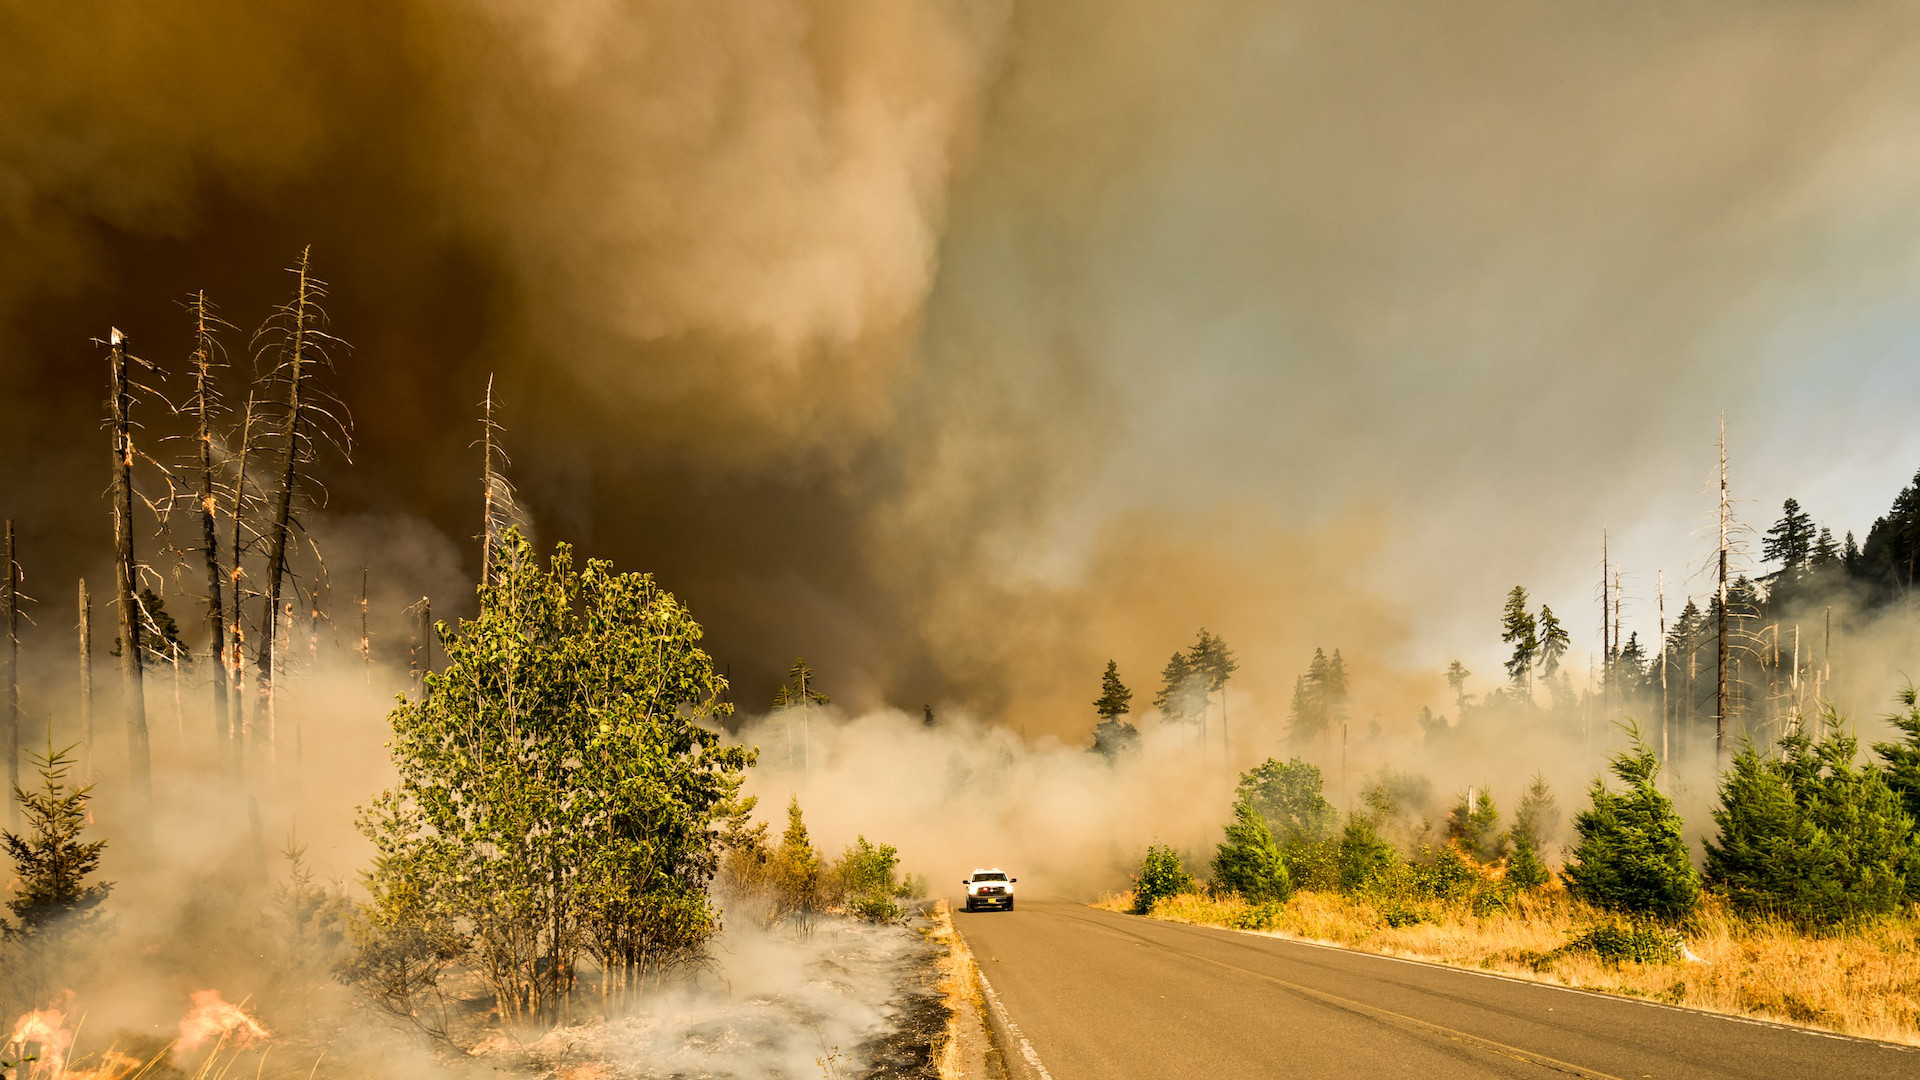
959	347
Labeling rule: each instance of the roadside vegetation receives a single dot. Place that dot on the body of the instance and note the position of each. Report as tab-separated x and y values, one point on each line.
1807	909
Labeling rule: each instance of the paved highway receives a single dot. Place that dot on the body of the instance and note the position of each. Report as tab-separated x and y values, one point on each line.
1083	994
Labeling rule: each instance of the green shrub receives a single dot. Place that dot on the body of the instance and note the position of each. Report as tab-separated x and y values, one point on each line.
1248	862
1288	797
1160	876
1534	821
1631	856
865	880
1641	942
1257	917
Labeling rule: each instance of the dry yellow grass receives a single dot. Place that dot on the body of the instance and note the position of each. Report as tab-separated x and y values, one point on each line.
959	987
1862	982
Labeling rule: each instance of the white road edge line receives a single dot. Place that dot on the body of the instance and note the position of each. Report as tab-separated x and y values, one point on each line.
1026	1048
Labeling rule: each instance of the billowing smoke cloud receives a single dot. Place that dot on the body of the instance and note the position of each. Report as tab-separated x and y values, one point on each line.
960	347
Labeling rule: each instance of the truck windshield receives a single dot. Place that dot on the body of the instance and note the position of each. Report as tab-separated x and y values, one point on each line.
989	877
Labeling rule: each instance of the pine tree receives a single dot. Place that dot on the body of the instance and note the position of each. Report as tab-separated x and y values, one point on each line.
799	689
1114	699
1790	541
1475	825
798	869
1903	760
1364	855
1213	664
51	862
1810	835
1553	641
1518	629
1248	861
1534	821
1631	856
1182	696
1457	676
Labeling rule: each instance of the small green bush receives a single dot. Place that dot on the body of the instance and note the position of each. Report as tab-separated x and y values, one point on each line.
1641	942
1363	855
1257	917
1160	876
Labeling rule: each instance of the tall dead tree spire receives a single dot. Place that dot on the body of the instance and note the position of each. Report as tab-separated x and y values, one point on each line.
205	407
126	570
499	509
1720	691
86	680
10	600
297	335
237	631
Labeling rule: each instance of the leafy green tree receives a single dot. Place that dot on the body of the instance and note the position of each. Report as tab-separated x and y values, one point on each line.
1160	876
1631	856
1289	799
1810	835
1518	629
867	881
1248	862
1114	700
1534	821
1553	641
559	781
1475	824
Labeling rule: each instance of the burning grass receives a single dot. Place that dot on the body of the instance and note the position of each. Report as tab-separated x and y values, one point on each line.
1864	981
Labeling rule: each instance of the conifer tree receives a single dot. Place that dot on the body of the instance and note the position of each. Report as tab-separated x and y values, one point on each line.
1475	825
798	870
1553	641
1182	696
1534	821
1518	629
1248	861
1457	676
53	896
1631	856
1114	699
1213	665
1903	761
1790	541
1810	835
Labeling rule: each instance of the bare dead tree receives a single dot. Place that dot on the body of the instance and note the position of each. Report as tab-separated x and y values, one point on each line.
204	406
421	658
126	569
1720	691
10	601
366	646
86	679
237	629
297	337
499	506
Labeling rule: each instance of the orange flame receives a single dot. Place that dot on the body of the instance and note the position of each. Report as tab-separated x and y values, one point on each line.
112	1065
47	1030
213	1018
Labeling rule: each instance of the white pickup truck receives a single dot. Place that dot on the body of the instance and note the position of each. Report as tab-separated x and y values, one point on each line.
989	888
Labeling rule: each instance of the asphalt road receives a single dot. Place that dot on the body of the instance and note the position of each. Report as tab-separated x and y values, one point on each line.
1083	994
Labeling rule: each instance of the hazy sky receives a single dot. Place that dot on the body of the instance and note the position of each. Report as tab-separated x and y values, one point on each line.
962	346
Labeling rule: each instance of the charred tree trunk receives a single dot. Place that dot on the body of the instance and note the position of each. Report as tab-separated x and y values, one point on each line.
301	314
1720	630
422	658
86	679
10	599
209	541
237	632
125	570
